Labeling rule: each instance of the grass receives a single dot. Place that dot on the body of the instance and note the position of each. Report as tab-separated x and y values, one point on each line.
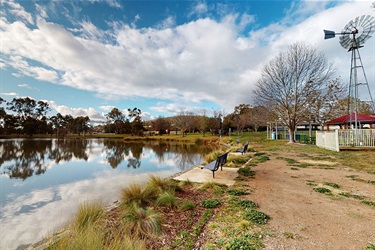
88	214
211	203
323	190
141	222
136	194
331	184
256	216
369	203
166	199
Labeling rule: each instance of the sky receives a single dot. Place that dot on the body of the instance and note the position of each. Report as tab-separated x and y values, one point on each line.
85	57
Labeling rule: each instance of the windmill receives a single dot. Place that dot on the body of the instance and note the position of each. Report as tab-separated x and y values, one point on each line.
352	38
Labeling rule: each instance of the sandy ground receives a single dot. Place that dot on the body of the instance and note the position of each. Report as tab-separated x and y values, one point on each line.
302	218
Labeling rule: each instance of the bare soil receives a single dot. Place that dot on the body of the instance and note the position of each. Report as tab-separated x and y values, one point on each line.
302	218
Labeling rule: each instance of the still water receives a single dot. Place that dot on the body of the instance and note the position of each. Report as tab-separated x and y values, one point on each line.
43	181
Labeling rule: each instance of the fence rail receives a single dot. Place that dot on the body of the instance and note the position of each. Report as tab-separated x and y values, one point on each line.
357	137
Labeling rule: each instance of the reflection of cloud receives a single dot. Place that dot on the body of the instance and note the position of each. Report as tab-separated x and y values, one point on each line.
32	216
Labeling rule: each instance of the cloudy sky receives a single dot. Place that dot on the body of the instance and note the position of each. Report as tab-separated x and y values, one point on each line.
86	57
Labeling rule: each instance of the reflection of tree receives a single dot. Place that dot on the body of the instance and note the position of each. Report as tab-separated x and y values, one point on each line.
23	158
26	157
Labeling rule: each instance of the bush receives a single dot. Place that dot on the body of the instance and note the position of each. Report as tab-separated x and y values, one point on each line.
237	192
257	217
211	203
248	204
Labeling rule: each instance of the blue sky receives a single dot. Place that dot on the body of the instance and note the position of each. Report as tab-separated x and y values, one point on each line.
164	57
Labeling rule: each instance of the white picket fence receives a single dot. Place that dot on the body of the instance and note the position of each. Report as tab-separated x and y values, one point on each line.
334	140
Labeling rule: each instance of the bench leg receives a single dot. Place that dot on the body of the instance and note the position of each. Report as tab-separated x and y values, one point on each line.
213	174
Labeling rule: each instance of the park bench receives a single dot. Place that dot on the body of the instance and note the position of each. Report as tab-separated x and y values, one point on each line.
243	150
214	165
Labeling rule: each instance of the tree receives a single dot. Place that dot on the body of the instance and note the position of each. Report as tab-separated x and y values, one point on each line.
289	81
183	121
136	124
116	121
258	116
161	124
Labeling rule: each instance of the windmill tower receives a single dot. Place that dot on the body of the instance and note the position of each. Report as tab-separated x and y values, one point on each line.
352	38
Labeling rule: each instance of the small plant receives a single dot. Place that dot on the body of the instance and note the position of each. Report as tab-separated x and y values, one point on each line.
370	247
188	205
136	194
248	204
263	158
294	168
246	171
211	203
349	195
88	214
246	241
142	222
237	192
370	203
257	217
166	199
323	190
331	184
288	160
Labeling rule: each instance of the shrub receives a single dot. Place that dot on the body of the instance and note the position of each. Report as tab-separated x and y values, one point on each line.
248	204
257	217
237	192
211	203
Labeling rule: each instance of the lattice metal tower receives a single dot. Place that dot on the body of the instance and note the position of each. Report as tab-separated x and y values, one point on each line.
352	38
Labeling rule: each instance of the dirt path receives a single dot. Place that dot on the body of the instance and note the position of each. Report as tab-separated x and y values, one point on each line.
305	219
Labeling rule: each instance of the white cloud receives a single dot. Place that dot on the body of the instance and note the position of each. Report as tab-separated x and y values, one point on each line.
9	93
18	10
93	114
200	61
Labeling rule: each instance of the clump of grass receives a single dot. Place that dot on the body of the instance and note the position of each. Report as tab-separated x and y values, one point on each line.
370	247
87	215
136	194
237	192
166	199
303	165
186	183
211	203
257	217
246	171
288	160
248	204
217	187
323	190
156	182
331	184
187	205
141	222
294	168
212	156
369	203
349	195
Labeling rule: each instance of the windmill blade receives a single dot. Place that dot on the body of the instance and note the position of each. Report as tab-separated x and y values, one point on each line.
364	25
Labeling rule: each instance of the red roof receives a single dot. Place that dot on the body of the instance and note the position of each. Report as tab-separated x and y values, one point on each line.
351	118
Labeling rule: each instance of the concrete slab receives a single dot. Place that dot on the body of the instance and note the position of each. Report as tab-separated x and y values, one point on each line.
199	175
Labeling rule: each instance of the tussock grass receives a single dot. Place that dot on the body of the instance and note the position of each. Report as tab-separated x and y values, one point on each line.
187	205
156	182
136	194
88	214
166	199
141	222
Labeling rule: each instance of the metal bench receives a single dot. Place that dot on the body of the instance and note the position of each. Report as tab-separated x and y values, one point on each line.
243	150
214	165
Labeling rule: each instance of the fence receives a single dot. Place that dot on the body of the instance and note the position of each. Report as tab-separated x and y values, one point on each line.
345	138
357	137
328	140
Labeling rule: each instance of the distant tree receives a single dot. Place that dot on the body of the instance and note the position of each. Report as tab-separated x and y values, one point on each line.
183	121
31	115
290	79
136	123
161	124
117	122
202	122
258	117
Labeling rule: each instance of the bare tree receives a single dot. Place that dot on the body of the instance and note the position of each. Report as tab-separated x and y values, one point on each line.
258	116
183	121
290	79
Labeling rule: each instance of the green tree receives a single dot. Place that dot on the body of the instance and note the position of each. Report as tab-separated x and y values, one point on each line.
136	123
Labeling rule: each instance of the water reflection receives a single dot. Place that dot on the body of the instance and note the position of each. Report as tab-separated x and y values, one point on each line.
43	181
22	159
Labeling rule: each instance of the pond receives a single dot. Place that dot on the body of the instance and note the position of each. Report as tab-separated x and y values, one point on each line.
44	180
